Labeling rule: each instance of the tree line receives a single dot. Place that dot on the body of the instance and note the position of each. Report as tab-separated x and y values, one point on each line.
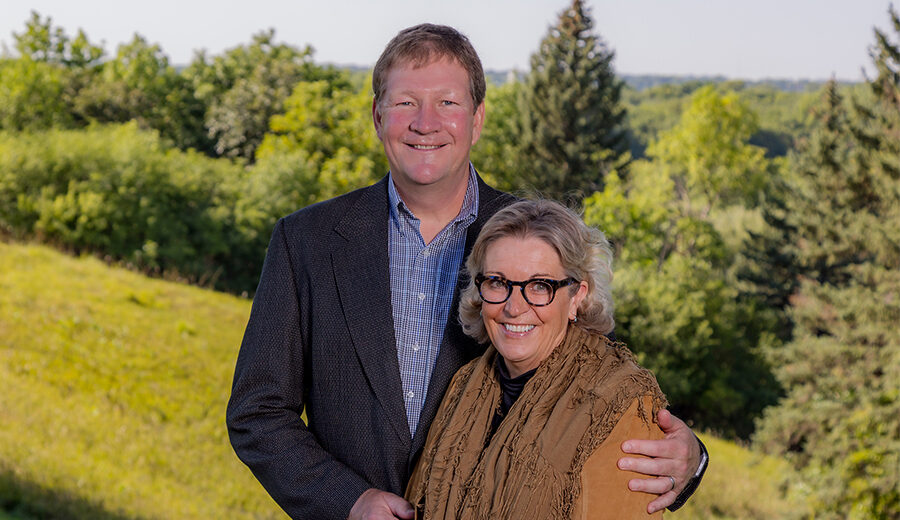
757	250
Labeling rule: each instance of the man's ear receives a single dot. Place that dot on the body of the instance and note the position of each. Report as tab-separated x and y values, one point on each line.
376	117
478	123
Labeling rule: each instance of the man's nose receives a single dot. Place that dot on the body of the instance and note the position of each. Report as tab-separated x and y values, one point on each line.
426	120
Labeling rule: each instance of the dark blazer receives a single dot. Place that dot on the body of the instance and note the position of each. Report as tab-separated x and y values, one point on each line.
321	337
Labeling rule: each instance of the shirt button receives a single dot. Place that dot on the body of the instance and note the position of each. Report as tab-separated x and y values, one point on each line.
421	296
425	253
410	394
415	347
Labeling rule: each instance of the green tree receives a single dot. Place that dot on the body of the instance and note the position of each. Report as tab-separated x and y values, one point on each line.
128	195
497	154
38	86
33	95
572	130
43	42
797	243
323	145
840	421
139	84
677	302
708	153
245	87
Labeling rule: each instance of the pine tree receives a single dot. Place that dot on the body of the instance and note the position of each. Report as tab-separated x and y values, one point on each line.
572	119
797	242
840	420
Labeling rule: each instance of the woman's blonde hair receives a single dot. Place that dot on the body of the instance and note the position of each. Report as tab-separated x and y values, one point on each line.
583	251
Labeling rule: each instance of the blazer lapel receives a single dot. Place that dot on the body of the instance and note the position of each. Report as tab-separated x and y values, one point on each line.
362	277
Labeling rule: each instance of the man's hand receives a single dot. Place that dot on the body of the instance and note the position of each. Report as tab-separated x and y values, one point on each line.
678	456
374	504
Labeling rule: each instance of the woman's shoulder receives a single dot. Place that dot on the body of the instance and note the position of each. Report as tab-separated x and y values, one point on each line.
599	356
608	374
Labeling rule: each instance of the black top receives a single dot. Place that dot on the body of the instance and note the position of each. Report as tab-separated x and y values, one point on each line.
510	388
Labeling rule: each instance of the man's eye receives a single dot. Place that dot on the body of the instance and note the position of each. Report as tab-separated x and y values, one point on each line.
447	102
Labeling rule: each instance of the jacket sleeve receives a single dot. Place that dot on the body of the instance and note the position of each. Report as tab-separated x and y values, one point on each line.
267	400
604	487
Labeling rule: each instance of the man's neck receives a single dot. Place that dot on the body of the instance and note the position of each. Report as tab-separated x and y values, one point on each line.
434	206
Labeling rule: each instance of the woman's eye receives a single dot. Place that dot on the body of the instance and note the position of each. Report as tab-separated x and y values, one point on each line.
540	288
496	284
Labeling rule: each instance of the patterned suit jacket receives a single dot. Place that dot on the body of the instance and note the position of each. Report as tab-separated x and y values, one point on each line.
321	337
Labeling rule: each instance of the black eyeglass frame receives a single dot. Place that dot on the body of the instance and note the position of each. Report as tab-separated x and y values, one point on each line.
554	284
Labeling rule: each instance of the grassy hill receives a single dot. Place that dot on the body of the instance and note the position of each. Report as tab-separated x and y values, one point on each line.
112	394
112	399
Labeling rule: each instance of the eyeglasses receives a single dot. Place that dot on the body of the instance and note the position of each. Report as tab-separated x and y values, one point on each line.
536	291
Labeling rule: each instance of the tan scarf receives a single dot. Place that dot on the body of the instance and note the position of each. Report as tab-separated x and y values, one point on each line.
532	466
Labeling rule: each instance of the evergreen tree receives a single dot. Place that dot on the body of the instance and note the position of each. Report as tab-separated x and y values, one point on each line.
797	242
840	420
572	119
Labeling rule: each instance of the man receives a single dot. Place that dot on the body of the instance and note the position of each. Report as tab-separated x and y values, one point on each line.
354	318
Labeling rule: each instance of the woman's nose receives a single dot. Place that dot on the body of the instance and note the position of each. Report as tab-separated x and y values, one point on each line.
516	303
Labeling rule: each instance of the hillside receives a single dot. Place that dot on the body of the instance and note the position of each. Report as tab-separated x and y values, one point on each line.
112	396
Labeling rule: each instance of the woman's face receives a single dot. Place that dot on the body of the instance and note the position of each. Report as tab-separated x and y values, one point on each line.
524	334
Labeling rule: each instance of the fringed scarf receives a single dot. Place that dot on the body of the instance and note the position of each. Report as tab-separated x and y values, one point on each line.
531	467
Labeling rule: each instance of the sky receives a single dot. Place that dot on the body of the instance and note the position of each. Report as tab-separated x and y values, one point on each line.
737	39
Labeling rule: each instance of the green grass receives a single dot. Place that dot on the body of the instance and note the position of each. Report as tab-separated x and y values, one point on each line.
740	484
112	400
113	389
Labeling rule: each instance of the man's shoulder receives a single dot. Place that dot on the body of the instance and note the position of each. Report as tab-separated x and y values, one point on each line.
491	199
328	213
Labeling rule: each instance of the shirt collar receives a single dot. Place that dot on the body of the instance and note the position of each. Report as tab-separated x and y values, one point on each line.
469	209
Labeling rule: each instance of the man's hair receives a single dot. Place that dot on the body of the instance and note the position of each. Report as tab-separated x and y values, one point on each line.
584	254
423	44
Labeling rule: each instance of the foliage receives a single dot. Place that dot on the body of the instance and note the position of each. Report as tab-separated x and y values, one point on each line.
32	95
139	84
652	111
708	155
572	131
840	421
741	484
797	241
783	116
327	132
38	87
44	43
113	390
124	193
677	302
245	87
497	153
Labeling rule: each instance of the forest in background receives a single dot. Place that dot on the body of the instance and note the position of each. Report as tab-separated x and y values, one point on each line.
756	229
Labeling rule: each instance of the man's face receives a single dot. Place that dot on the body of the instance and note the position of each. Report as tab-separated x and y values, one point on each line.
427	122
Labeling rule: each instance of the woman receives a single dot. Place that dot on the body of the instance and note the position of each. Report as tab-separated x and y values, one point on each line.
532	428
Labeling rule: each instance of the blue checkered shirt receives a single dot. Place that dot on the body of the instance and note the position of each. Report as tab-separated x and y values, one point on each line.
423	279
